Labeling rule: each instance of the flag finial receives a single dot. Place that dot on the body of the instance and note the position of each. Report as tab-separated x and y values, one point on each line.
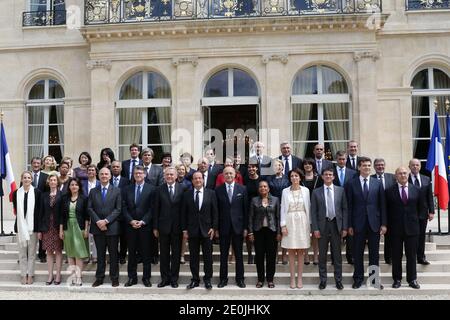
436	104
1	115
447	105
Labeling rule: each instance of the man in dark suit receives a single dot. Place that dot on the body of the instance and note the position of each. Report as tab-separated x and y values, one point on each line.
128	165
388	180
104	208
367	218
137	211
342	176
403	201
214	168
321	164
39	182
200	218
352	155
329	219
264	162
233	222
167	226
153	173
209	179
427	210
289	161
120	182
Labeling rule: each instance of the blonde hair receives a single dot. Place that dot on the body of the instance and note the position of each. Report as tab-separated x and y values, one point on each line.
26	172
53	166
57	179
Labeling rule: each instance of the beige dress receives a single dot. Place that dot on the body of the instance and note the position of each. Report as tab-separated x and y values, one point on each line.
297	221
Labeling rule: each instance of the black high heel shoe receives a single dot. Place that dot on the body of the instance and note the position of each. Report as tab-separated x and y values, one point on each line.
49	282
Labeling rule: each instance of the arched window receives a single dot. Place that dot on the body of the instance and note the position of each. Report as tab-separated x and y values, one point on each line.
320	111
429	85
45	118
144	114
231	82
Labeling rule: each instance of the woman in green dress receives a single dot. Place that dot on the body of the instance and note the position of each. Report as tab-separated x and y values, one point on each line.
74	228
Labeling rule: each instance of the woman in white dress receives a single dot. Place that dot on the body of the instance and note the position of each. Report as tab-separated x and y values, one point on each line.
295	225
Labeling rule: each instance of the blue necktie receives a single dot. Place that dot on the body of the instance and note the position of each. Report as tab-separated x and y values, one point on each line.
132	168
104	194
286	166
365	189
342	177
138	194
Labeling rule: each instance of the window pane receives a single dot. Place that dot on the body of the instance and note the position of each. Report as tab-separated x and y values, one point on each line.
336	130
421	128
441	110
37	91
243	84
158	115
306	82
420	81
56	115
336	111
124	152
158	87
56	152
217	85
305	131
333	82
35	151
420	106
421	148
132	88
36	135
304	149
55	134
304	112
130	116
159	150
441	80
38	5
129	135
36	115
158	134
55	90
329	152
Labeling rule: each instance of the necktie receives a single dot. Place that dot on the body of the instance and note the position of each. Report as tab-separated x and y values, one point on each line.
319	166
230	193
133	164
416	181
197	199
35	180
171	192
103	194
286	166
381	178
353	164
404	196
116	182
138	194
146	171
209	168
342	177
365	189
330	205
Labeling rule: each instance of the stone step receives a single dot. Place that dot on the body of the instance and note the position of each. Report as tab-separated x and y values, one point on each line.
231	290
436	266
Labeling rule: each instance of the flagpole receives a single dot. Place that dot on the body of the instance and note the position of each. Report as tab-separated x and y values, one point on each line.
1	197
447	107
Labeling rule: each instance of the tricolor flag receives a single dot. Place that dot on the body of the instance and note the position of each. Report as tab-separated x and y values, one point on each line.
436	165
447	146
6	171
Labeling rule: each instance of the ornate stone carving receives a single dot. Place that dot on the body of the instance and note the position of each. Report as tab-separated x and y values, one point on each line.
359	55
177	61
93	64
282	57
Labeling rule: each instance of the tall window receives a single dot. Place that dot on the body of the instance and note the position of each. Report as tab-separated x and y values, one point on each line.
55	8
320	111
144	114
45	118
429	85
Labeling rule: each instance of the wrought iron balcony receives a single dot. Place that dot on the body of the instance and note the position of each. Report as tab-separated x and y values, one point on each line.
427	4
44	18
124	11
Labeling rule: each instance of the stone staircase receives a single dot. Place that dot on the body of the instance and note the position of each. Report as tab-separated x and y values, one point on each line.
434	279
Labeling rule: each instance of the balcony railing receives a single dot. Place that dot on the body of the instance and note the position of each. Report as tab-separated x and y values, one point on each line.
123	11
426	4
44	18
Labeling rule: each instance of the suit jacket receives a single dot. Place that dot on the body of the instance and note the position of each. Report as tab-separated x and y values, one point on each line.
167	212
37	208
349	175
143	210
109	209
404	219
358	207
326	164
257	213
296	162
199	222
42	182
85	184
265	165
123	182
426	189
80	211
233	217
155	176
319	209
389	180
348	164
212	175
46	210
126	168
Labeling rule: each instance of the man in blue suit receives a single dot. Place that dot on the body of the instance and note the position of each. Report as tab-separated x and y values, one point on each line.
367	217
233	221
128	165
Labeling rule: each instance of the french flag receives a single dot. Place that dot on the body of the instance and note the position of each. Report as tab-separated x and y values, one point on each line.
436	165
6	171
